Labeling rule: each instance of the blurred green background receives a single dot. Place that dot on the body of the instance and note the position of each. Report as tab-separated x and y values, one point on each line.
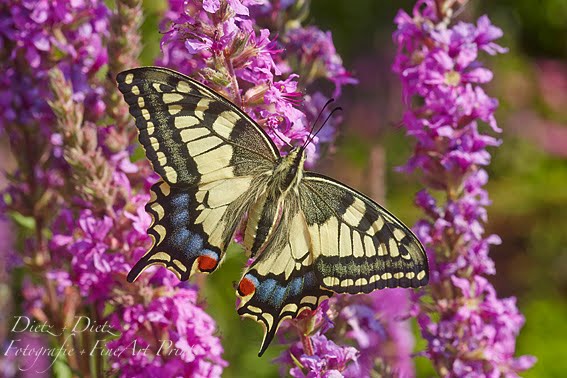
528	176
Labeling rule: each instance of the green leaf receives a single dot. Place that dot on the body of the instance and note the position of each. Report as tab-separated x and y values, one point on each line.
23	221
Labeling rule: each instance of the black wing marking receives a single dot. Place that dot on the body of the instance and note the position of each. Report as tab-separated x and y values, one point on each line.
178	244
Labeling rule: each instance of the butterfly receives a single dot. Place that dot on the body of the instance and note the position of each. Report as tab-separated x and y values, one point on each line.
309	236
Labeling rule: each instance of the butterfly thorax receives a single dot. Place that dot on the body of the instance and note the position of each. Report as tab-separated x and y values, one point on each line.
288	172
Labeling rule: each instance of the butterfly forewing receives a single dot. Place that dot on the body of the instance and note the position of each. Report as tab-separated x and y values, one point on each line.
359	245
181	120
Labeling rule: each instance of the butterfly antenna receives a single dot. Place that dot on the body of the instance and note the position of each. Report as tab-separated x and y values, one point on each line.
315	123
337	109
276	133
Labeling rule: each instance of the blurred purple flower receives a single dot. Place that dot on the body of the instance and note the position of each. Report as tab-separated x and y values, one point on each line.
317	56
91	247
476	331
31	48
383	335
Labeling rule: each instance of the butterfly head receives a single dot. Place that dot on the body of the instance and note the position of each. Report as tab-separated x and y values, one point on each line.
289	171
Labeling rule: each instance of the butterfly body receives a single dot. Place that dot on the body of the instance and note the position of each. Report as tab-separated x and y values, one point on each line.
309	235
266	213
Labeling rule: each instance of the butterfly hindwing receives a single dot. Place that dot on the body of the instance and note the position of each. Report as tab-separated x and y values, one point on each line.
213	161
282	281
330	239
178	243
359	245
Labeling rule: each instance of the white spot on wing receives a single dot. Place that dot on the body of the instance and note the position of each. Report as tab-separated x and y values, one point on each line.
378	224
129	78
170	174
150	128
399	234
168	98
352	214
394	251
202	107
184	122
369	246
174	109
224	124
309	299
187	135
199	146
162	159
154	142
160	256
300	240
346	283
345	241
165	189
160	230
358	249
228	190
214	160
183	87
374	278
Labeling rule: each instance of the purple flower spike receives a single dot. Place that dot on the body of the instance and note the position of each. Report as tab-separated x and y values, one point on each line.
26	33
438	63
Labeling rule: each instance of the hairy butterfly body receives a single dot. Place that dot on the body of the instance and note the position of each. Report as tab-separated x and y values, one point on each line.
310	236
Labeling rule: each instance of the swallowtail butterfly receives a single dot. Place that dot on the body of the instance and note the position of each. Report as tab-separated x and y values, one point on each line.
309	235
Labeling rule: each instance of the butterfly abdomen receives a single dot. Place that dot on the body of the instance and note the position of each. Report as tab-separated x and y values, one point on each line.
263	218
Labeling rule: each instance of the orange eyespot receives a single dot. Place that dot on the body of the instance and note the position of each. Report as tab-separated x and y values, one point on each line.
206	263
246	287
